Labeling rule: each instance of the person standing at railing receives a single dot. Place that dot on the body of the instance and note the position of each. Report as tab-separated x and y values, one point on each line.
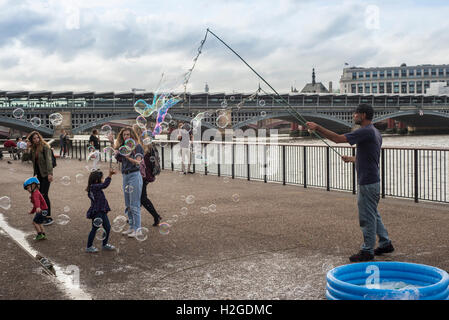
94	141
369	142
63	144
184	136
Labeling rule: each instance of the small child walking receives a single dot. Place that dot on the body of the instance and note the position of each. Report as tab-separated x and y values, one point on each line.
99	208
39	206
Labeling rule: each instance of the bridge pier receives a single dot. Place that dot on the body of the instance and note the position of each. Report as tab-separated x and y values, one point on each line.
66	124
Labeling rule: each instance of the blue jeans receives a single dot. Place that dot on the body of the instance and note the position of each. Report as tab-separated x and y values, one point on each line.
106	226
132	197
369	217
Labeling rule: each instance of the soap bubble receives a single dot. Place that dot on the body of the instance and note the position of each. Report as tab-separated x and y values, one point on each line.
224	103
62	219
56	119
119	223
148	140
130	143
101	234
36	122
213	208
18	113
142	234
232	98
263	114
65	180
79	178
97	222
91	149
5	202
66	209
222	121
105	130
190	199
129	188
164	228
262	103
184	211
124	151
204	210
141	122
108	151
44	213
226	179
235	197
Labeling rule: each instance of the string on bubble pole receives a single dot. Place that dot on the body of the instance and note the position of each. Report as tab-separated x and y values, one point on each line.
292	111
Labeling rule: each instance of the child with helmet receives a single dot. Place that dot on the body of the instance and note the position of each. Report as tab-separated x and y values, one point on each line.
39	206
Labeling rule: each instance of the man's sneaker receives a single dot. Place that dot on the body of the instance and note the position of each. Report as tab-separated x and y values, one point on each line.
48	221
127	231
92	250
387	249
361	256
132	234
108	247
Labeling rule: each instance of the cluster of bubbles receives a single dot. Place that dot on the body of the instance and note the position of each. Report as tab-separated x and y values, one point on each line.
5	202
54	118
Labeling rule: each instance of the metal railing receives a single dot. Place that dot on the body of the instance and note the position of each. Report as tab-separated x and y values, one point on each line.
413	173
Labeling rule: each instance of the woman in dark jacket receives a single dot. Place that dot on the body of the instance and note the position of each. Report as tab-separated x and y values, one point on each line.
40	154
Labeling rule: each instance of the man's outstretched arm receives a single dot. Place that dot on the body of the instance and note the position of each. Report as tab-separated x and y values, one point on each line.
328	134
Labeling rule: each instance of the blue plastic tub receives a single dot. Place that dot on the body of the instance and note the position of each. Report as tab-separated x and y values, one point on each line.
387	281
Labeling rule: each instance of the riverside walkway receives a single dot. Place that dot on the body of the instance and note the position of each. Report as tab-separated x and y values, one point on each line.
263	241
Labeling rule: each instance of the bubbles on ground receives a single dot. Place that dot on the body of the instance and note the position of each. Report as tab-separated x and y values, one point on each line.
175	217
184	211
142	234
212	208
101	234
56	119
164	228
190	199
204	210
79	178
226	179
62	219
235	197
119	223
18	113
65	180
97	222
66	209
5	202
36	122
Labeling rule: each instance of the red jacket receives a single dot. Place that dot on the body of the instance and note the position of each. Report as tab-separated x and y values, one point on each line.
10	143
38	201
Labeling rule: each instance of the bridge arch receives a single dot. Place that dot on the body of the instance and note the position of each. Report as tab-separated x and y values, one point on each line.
287	114
128	116
24	125
410	113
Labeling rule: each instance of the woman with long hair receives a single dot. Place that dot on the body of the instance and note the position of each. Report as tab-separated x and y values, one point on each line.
41	156
130	155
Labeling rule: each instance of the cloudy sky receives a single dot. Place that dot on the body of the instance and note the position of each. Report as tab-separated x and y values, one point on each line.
111	45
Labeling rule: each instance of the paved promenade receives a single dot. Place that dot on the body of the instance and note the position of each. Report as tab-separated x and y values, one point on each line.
264	241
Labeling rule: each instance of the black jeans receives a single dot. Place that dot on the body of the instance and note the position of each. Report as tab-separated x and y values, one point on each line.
44	188
106	226
146	203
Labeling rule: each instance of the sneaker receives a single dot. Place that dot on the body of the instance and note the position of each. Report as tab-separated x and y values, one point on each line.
387	249
361	256
127	231
39	237
157	221
92	250
44	237
132	234
48	221
108	247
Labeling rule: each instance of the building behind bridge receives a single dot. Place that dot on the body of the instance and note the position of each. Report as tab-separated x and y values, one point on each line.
393	80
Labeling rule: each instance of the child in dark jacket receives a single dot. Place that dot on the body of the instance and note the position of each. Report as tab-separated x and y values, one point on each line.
99	208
